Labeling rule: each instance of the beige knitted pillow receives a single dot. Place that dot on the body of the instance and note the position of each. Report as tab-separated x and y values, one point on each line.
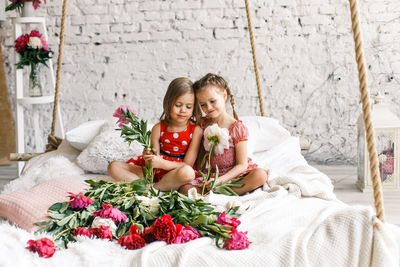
26	207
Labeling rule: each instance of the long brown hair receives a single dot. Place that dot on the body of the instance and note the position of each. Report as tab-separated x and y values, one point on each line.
218	81
176	88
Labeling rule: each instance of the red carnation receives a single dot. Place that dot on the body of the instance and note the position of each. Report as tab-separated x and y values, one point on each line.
223	220
108	212
21	43
133	240
102	232
148	235
185	234
79	202
82	231
164	229
44	247
238	241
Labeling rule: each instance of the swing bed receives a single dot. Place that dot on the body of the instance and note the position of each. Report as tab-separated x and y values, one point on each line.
294	221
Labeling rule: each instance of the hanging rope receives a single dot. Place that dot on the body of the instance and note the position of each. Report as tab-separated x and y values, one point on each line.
54	141
253	51
366	107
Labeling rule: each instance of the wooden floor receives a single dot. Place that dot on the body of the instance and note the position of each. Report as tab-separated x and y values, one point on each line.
343	177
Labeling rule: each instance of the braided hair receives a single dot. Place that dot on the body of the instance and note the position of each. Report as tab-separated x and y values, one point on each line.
218	81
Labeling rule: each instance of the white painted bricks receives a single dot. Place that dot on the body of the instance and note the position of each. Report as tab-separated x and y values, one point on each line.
305	54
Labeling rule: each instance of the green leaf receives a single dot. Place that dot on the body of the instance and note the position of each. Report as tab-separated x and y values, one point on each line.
42	223
56	206
65	220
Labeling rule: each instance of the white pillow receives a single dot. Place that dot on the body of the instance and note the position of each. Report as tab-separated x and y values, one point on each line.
106	147
264	133
81	136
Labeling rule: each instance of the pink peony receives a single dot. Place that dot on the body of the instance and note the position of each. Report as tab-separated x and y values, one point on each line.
121	117
82	231
108	212
133	240
21	43
44	247
184	234
164	229
223	220
238	241
79	202
102	232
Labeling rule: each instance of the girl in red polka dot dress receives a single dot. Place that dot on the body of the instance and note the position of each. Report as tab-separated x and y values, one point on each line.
175	139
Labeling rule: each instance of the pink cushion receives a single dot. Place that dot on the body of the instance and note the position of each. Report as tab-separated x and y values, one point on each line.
29	206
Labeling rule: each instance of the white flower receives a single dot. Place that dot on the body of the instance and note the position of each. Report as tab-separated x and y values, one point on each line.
152	203
106	222
233	203
192	194
35	42
382	158
217	135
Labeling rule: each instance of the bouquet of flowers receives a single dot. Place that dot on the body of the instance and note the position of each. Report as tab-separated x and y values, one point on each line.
33	50
125	213
18	4
134	130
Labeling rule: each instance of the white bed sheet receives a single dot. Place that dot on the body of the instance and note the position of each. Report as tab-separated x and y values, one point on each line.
295	221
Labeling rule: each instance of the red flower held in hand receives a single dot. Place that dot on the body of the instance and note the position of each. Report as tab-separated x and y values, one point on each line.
133	240
44	247
82	231
238	241
223	220
108	212
184	234
121	117
102	232
79	202
164	229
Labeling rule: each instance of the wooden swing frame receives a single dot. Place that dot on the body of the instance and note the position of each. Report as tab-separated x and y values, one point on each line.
54	141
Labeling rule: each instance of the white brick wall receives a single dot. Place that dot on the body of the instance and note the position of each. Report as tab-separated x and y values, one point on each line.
305	54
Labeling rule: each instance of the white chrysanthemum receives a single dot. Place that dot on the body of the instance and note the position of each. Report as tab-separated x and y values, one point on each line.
35	42
152	203
106	222
382	158
218	136
192	194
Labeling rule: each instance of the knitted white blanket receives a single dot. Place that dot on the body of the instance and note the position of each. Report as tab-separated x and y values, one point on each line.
296	221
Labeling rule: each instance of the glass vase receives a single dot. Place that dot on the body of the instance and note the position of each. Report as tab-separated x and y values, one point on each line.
35	83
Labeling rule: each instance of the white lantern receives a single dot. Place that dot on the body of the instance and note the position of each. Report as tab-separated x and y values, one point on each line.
387	138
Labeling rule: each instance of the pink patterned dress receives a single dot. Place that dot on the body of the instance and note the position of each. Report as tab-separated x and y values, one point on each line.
173	146
226	161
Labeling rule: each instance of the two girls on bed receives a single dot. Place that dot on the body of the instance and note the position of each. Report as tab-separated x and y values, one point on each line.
176	140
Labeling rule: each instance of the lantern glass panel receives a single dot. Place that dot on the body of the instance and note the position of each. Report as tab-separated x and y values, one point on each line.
386	156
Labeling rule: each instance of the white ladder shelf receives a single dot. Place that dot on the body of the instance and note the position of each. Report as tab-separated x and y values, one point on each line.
22	101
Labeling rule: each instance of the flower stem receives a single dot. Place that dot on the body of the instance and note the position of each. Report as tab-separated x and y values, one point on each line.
60	233
209	169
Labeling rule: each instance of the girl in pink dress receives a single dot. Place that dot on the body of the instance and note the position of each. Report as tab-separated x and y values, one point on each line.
175	139
212	92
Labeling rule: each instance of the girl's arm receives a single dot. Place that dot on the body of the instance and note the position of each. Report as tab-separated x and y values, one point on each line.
241	163
155	138
193	150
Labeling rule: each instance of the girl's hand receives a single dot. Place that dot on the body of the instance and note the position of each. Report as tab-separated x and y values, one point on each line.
156	161
147	151
208	183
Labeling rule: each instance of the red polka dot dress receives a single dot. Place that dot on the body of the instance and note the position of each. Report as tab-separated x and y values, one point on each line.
173	146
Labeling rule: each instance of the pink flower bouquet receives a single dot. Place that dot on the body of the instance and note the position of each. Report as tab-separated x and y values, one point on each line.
18	4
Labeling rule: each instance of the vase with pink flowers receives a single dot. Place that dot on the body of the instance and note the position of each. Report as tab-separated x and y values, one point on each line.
34	52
